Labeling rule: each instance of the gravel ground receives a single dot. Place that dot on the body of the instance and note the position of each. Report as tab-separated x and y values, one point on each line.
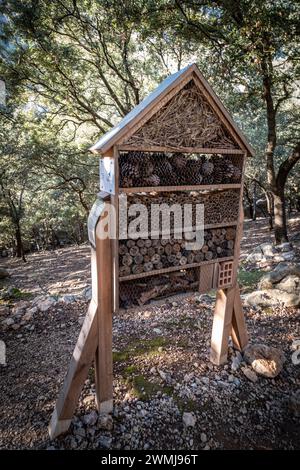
161	371
163	379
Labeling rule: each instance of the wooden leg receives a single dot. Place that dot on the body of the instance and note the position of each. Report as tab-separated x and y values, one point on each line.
103	358
78	370
222	325
239	331
228	320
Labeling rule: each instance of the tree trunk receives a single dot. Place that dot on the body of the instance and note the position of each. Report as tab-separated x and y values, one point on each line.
19	242
254	201
270	209
278	193
280	229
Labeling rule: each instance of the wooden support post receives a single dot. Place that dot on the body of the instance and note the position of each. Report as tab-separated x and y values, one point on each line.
228	316
94	342
239	333
103	357
222	325
78	370
228	320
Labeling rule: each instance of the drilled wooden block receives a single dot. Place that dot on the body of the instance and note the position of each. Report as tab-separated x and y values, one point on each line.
225	274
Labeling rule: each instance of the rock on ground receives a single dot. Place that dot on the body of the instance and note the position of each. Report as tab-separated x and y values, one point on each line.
290	284
3	273
294	404
272	297
189	419
265	360
250	374
280	272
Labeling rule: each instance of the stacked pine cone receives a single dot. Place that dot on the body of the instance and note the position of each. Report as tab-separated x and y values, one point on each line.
139	169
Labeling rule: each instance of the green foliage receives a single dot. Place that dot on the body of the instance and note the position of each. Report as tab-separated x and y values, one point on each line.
138	348
13	294
249	279
73	69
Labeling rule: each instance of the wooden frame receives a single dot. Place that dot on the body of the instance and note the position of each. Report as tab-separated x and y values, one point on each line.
95	339
203	187
94	343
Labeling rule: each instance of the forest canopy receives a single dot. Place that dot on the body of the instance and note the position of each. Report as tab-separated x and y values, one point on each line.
72	69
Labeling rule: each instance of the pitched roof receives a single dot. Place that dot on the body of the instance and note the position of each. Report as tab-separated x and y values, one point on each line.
111	137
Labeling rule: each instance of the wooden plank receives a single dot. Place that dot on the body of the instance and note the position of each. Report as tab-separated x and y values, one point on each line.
206	278
239	330
171	269
198	187
115	243
216	275
103	361
155	148
222	325
239	230
77	372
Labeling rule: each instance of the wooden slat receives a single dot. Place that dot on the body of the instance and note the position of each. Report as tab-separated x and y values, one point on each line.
115	243
171	269
239	330
222	325
239	231
155	148
216	275
206	278
103	361
77	372
203	187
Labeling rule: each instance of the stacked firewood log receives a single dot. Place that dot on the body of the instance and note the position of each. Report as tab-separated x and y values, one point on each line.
139	292
140	169
146	255
219	206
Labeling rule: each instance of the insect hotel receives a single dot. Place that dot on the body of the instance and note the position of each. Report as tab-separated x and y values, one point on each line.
177	147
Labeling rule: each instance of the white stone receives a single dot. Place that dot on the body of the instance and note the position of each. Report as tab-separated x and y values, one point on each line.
105	421
236	362
288	256
264	360
289	284
287	246
162	374
90	419
68	299
45	305
272	297
27	317
189	419
8	321
87	293
32	310
250	374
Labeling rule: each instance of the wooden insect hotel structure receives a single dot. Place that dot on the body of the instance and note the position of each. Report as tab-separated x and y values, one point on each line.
179	146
